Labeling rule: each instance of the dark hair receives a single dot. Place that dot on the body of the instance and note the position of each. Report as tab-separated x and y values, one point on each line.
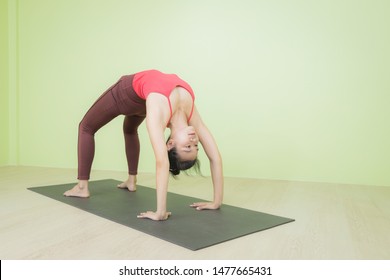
176	165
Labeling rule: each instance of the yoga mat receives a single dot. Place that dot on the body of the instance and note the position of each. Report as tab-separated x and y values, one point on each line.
186	226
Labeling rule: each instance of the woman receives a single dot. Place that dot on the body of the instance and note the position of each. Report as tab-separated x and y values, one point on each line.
165	101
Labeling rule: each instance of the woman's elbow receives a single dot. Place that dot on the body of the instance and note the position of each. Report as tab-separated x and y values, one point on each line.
216	159
162	163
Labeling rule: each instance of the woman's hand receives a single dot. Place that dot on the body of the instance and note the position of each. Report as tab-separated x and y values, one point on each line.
154	216
205	205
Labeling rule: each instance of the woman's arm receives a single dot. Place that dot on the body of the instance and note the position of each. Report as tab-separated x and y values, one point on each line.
156	118
212	152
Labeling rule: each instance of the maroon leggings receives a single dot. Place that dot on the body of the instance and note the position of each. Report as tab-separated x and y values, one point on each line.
119	99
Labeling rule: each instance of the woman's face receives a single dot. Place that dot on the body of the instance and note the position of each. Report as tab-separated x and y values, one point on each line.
186	143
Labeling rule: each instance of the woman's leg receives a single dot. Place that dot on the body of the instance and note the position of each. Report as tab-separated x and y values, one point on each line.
101	112
132	145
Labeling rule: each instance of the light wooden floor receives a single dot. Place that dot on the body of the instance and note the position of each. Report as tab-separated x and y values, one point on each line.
332	221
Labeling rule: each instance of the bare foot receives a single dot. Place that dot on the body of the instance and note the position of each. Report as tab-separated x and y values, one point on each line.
80	190
130	183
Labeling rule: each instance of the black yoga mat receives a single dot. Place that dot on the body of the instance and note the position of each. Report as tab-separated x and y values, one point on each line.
186	227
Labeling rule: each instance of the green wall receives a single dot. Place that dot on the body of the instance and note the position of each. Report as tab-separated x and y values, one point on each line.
4	131
294	90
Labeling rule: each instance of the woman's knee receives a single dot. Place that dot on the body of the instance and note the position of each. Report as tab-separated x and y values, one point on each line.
131	124
84	127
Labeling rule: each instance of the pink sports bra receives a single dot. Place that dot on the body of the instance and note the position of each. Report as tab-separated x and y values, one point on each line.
149	81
